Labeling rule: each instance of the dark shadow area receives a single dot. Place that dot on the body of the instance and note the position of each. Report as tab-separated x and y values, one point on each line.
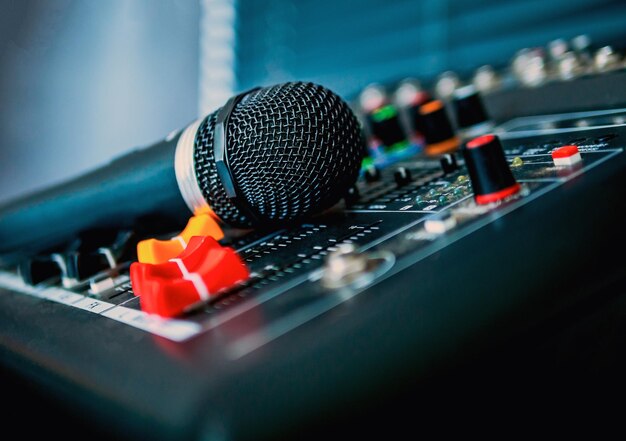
563	374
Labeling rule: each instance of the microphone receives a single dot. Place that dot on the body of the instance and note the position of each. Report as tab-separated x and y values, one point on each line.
268	157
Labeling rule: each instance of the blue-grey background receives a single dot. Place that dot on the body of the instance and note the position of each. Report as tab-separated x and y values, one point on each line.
83	81
347	44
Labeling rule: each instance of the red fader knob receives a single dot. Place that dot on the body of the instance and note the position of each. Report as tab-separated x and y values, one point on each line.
175	286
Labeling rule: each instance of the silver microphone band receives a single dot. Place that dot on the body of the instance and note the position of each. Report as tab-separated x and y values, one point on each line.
185	168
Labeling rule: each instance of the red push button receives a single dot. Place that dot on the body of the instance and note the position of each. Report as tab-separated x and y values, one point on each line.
173	287
567	155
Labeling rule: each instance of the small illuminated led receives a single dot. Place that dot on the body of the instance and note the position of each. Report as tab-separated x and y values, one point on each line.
517	162
462	178
440	224
567	155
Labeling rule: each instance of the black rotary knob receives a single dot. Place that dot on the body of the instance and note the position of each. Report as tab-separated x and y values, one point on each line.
386	127
448	163
471	117
402	176
437	129
372	174
352	196
489	171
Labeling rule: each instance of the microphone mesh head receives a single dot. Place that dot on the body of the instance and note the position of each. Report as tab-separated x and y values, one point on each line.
294	149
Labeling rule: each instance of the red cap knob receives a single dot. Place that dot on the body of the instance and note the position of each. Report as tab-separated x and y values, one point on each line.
489	171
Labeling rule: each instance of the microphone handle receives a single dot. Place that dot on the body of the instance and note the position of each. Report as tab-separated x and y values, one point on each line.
139	183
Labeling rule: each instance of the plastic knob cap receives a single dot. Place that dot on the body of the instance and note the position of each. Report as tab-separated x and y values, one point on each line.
171	288
491	177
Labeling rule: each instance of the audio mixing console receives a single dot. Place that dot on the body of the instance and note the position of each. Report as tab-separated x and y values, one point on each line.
411	253
445	248
385	221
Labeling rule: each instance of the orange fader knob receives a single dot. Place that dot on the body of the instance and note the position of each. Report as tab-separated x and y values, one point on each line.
158	251
177	285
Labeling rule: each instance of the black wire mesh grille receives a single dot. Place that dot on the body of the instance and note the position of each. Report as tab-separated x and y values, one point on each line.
294	149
